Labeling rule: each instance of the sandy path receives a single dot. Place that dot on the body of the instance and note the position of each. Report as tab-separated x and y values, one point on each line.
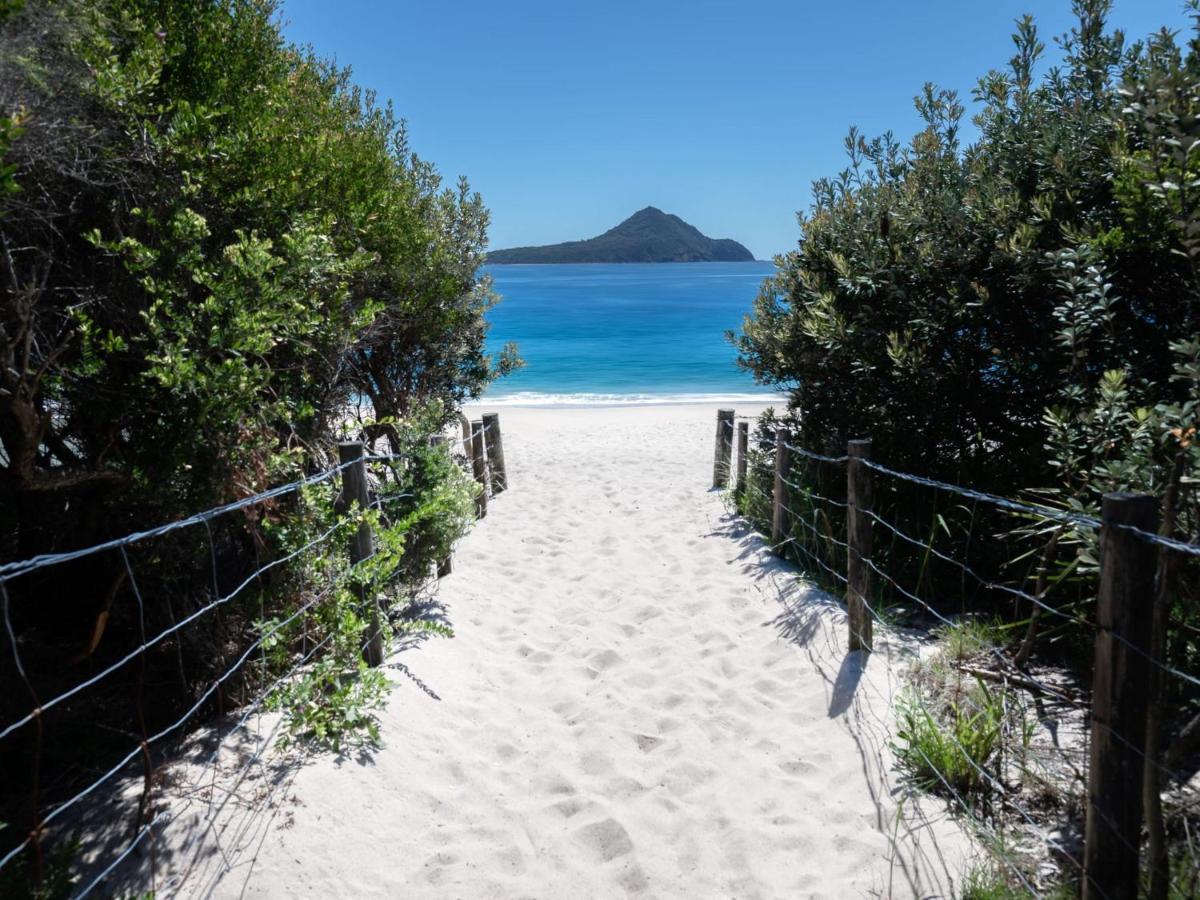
638	701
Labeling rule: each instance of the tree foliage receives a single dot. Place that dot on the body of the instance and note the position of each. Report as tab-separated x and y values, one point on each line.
213	247
963	305
211	233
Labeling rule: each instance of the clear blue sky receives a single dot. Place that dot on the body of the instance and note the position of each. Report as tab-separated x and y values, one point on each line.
569	116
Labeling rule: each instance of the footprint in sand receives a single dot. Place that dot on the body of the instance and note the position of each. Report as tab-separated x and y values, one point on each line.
642	680
685	778
647	742
511	859
671	701
601	663
606	659
555	785
667	724
606	840
623	788
594	762
570	807
646	613
634	880
796	767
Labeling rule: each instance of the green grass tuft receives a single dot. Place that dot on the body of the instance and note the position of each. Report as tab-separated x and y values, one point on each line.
948	753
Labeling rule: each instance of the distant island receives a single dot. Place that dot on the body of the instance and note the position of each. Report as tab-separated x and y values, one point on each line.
649	235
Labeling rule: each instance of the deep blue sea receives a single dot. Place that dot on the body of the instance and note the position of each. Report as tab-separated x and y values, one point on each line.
625	333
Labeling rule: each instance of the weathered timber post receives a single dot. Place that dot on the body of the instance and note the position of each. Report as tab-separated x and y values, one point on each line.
466	432
362	545
858	537
1120	697
779	523
479	466
743	444
495	452
445	566
724	448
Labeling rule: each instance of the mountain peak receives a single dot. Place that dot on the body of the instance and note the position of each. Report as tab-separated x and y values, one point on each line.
649	235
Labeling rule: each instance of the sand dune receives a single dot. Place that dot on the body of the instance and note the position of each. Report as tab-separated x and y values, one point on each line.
639	701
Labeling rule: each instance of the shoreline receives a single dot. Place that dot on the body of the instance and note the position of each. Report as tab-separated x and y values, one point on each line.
590	400
641	262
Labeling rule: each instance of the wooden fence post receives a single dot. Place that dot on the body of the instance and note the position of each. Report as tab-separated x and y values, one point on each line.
495	452
724	448
445	566
858	537
479	465
1120	697
743	444
362	546
779	527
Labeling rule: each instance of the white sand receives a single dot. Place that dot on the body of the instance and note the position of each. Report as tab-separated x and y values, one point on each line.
639	700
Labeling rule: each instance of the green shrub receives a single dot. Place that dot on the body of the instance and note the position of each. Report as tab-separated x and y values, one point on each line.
423	503
215	247
1016	315
948	752
58	879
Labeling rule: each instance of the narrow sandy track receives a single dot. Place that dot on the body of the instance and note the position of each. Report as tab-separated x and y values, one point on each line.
639	701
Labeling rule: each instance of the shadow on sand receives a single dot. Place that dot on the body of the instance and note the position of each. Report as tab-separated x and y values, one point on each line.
927	849
214	801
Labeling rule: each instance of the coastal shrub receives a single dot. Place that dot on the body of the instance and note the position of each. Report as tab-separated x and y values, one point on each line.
1017	315
423	503
214	247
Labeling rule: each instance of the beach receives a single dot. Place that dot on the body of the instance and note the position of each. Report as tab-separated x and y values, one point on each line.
639	700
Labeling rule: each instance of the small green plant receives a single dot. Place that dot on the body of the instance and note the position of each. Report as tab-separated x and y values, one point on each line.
948	751
57	878
968	637
993	881
985	881
333	706
1184	871
419	508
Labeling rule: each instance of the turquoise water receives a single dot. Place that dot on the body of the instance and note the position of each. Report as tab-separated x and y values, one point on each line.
628	333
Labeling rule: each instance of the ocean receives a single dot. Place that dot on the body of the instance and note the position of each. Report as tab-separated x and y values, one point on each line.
624	333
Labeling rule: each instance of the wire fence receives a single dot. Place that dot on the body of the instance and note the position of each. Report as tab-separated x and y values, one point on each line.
222	610
1048	690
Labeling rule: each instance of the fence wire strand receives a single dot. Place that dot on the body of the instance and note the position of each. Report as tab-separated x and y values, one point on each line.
799	533
318	544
